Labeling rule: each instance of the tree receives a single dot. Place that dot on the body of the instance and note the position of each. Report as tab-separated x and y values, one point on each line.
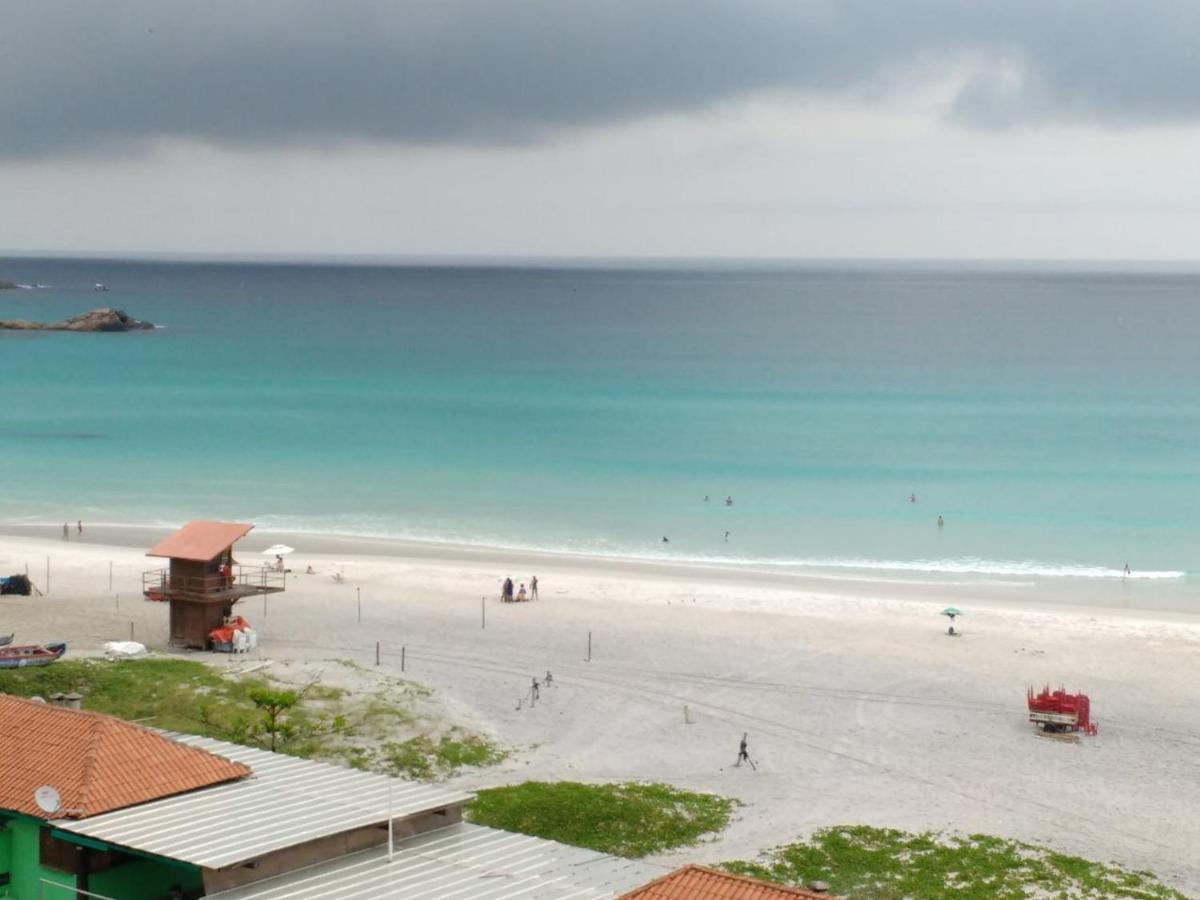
274	705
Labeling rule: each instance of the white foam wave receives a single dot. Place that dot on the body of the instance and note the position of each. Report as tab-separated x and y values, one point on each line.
834	568
846	567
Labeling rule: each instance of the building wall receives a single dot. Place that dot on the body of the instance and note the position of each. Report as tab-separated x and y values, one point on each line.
137	879
25	849
297	857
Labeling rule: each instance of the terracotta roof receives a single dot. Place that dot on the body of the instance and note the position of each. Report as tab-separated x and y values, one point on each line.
96	763
695	882
201	541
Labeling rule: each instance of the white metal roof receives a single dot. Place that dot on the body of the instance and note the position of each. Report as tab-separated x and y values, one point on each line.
459	862
286	801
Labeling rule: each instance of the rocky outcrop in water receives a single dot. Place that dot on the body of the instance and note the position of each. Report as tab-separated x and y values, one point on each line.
7	285
105	319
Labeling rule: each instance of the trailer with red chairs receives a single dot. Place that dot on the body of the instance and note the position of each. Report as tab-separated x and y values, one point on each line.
1057	712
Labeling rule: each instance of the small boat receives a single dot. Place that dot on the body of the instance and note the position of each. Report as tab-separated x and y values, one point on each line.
31	655
6	639
100	288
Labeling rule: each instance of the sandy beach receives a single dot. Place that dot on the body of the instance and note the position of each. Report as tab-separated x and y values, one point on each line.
859	708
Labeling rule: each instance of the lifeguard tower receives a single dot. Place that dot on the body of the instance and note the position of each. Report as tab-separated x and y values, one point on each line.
203	580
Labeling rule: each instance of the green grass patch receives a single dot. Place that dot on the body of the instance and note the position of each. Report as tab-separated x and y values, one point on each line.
631	820
885	864
380	731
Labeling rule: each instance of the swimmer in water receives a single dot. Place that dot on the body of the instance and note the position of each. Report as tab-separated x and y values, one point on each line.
941	522
912	498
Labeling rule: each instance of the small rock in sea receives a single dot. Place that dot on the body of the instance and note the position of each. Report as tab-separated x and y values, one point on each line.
103	319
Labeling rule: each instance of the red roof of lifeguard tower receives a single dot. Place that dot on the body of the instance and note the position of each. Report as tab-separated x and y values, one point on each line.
201	541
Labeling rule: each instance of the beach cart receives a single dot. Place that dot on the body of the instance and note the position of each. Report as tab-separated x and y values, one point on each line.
1057	712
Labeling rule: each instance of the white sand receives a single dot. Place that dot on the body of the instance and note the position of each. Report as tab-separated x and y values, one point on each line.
859	709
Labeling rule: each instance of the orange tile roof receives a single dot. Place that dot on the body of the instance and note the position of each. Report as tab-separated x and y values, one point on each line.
96	763
695	882
201	541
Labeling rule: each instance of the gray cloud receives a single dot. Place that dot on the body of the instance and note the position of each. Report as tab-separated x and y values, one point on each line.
89	76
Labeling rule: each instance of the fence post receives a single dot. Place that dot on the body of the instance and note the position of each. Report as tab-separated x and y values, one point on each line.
131	631
377	653
110	574
402	649
589	656
358	592
483	612
47	574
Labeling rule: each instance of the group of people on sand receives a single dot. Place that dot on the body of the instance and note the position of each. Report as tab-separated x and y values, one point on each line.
506	592
67	529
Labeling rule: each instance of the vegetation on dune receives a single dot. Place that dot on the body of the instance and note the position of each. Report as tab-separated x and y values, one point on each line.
311	720
630	819
885	864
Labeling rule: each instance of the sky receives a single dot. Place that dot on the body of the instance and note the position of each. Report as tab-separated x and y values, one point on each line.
622	128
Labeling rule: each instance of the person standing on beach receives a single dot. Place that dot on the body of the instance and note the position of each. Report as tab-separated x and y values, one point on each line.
79	525
1128	571
533	595
743	753
507	591
66	532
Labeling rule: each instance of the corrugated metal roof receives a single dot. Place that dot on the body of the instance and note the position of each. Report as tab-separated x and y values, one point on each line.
286	801
459	862
201	541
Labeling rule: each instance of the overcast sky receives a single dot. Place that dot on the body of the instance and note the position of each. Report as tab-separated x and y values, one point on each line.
782	128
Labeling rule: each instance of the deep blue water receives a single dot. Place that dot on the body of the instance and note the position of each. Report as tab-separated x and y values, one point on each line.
1050	414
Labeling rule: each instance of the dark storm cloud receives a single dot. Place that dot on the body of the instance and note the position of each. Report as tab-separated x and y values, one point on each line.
88	76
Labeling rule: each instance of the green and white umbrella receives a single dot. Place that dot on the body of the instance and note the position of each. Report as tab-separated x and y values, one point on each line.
952	611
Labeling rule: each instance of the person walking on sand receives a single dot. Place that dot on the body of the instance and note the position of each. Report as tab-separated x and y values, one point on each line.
66	532
1128	571
533	594
744	754
79	525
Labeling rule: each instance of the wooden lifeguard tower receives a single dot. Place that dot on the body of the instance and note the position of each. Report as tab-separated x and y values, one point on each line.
203	581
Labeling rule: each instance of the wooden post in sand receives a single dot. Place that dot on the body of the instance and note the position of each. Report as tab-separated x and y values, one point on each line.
131	631
483	612
47	574
402	649
110	574
589	656
377	653
358	591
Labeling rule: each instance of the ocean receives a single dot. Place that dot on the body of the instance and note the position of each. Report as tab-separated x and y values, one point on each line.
1049	413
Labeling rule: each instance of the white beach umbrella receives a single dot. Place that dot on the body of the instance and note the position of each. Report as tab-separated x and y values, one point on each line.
279	550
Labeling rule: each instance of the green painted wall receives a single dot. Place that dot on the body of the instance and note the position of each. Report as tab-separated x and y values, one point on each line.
144	879
26	869
139	879
5	854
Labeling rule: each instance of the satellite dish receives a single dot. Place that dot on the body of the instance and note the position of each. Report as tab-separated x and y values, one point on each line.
47	799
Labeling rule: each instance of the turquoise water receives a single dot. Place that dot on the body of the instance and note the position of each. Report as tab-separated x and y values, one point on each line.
1051	415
